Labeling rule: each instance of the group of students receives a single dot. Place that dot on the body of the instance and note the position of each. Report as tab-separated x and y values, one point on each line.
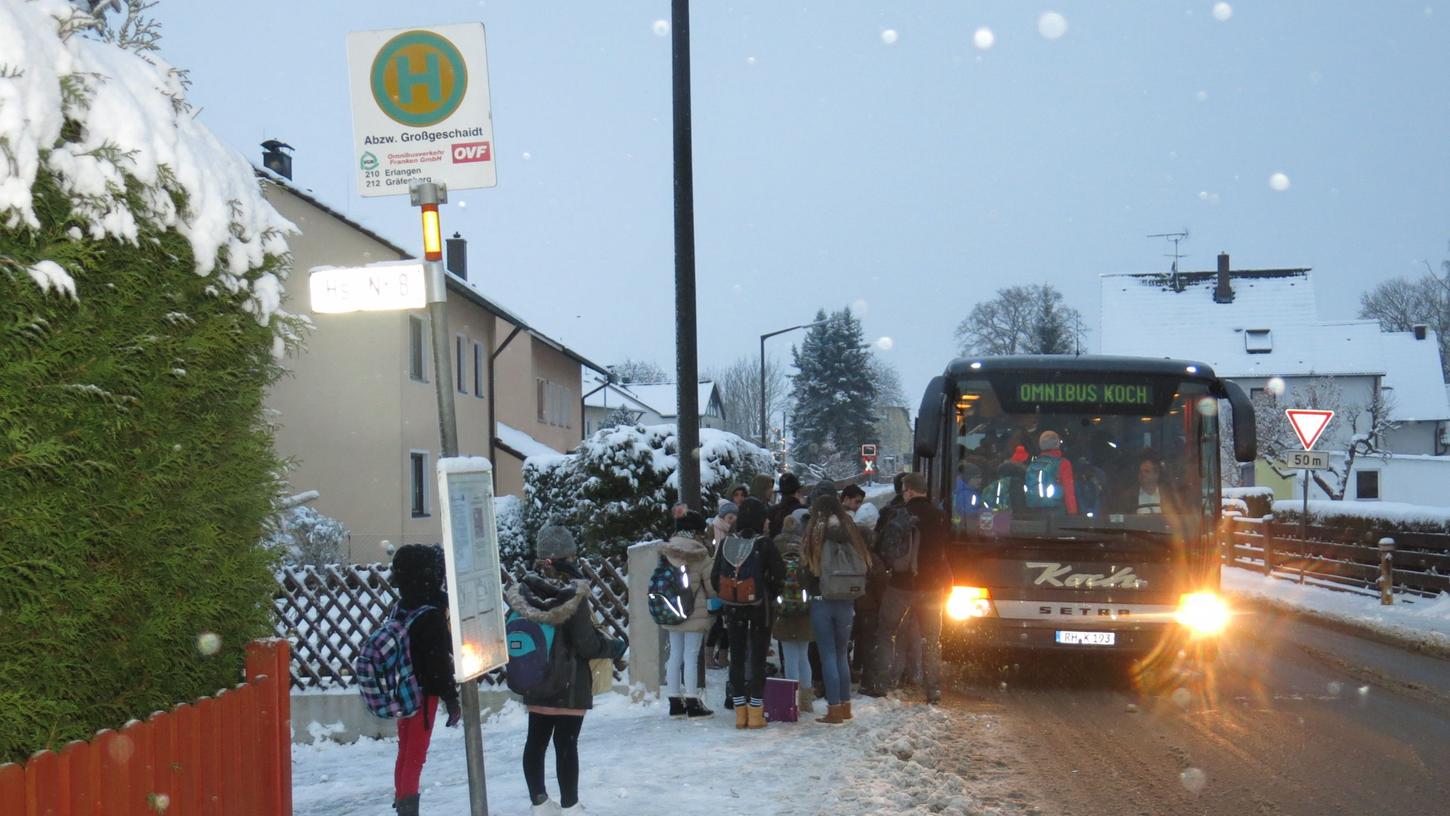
816	569
764	570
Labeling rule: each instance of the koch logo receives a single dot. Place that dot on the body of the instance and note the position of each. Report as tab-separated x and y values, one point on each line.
471	152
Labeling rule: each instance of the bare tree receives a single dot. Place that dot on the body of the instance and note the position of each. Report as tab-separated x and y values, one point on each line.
1031	319
1402	303
1367	424
739	385
638	372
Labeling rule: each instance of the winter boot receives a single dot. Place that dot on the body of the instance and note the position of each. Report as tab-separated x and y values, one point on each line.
806	701
575	809
677	706
548	807
741	717
756	716
694	707
846	711
834	715
407	806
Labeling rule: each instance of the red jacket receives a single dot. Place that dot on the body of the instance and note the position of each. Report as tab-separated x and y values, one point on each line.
1064	478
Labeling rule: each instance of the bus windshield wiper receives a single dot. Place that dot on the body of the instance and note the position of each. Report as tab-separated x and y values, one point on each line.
1153	537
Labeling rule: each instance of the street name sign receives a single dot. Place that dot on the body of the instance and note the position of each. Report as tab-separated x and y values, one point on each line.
1306	460
420	108
470	550
378	287
1308	424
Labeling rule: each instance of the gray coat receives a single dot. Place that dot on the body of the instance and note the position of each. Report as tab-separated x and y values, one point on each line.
561	603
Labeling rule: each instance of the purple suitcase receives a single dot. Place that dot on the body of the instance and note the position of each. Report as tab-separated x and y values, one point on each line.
780	700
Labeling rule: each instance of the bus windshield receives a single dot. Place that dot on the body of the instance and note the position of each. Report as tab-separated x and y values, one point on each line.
1066	455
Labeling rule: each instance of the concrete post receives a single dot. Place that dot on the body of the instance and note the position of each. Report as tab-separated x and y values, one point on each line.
1387	571
646	639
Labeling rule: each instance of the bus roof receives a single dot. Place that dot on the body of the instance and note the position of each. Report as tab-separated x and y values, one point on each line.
1108	364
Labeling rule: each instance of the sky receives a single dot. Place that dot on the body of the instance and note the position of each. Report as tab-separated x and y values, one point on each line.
873	154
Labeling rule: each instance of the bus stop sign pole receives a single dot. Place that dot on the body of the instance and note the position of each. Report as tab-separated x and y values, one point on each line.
427	196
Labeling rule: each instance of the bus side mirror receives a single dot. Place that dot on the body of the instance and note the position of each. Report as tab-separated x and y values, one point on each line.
929	418
1246	438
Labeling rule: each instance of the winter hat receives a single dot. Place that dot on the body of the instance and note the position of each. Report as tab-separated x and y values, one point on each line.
761	485
801	516
789	484
752	516
822	489
415	574
690	522
555	542
727	508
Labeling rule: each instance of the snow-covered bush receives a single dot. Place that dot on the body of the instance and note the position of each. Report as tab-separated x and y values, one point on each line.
513	547
140	275
1367	517
1256	502
618	487
306	537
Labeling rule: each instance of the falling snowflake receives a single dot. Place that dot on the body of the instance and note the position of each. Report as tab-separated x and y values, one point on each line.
1051	25
208	643
889	36
1278	182
983	38
661	28
1222	12
1193	779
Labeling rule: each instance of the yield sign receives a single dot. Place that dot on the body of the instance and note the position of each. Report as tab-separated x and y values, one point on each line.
1309	424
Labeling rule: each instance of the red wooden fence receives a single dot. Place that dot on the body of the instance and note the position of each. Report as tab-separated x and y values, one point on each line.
228	755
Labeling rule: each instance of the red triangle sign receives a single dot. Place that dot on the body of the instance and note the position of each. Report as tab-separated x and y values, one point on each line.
1309	424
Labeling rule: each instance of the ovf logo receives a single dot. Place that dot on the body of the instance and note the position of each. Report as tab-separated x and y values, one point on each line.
418	78
465	152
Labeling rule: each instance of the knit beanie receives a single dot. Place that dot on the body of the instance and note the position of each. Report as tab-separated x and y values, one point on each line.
690	522
726	509
555	542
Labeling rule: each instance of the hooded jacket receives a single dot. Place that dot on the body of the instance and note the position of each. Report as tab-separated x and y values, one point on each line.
687	552
419	583
561	603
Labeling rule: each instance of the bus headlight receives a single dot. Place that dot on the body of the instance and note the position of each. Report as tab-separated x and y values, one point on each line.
1205	613
969	602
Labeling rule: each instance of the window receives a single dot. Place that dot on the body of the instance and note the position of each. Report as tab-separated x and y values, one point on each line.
541	391
555	404
417	351
1258	341
477	370
460	345
418	482
1367	484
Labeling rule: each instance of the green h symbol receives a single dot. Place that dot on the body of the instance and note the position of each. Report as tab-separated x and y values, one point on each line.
431	77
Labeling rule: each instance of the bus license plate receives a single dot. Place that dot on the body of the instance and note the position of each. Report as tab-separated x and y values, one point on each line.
1087	638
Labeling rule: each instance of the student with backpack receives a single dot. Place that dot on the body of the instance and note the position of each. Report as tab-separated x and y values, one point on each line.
793	612
913	547
551	639
679	601
838	562
406	667
746	575
1050	485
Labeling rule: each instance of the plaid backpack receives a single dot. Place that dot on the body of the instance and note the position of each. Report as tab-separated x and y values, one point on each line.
384	669
671	598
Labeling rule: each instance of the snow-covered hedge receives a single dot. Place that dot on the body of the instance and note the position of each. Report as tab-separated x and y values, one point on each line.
140	278
1376	516
1254	502
508	513
305	537
618	487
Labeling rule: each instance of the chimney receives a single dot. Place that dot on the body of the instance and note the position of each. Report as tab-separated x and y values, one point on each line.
275	160
1421	331
1224	292
457	249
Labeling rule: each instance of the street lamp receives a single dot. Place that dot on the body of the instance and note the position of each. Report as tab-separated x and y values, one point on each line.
764	439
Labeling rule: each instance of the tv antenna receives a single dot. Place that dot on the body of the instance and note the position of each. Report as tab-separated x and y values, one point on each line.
1177	238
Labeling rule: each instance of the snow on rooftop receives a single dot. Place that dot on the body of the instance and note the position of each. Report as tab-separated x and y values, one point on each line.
523	443
613	396
664	397
133	123
1154	315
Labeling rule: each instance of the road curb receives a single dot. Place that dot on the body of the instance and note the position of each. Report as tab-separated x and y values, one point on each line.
1427	643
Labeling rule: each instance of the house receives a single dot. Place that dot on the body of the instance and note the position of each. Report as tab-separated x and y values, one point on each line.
655	404
357	412
894	431
1254	326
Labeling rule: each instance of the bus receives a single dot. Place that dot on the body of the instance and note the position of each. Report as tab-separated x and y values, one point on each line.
1084	498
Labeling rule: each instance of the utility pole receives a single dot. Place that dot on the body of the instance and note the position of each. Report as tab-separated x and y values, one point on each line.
686	363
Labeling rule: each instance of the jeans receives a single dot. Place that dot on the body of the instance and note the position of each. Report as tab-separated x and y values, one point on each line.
926	608
831	621
564	729
414	734
749	628
906	663
682	667
795	661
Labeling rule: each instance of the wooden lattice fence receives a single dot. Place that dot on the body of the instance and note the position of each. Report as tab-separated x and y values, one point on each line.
327	612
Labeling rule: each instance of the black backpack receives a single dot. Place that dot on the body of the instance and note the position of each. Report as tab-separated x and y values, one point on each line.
900	544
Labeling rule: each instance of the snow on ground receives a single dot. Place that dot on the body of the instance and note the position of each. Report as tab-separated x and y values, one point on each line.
895	757
1420	620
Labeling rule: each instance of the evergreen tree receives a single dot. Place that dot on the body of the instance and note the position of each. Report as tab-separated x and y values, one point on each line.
834	393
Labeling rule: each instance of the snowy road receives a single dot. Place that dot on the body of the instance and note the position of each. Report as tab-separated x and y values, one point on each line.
1295	719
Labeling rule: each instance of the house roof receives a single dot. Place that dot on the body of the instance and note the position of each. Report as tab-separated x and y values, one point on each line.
612	395
1161	314
663	398
467	289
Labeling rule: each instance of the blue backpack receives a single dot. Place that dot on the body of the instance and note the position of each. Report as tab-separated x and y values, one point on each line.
384	669
540	665
1044	490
